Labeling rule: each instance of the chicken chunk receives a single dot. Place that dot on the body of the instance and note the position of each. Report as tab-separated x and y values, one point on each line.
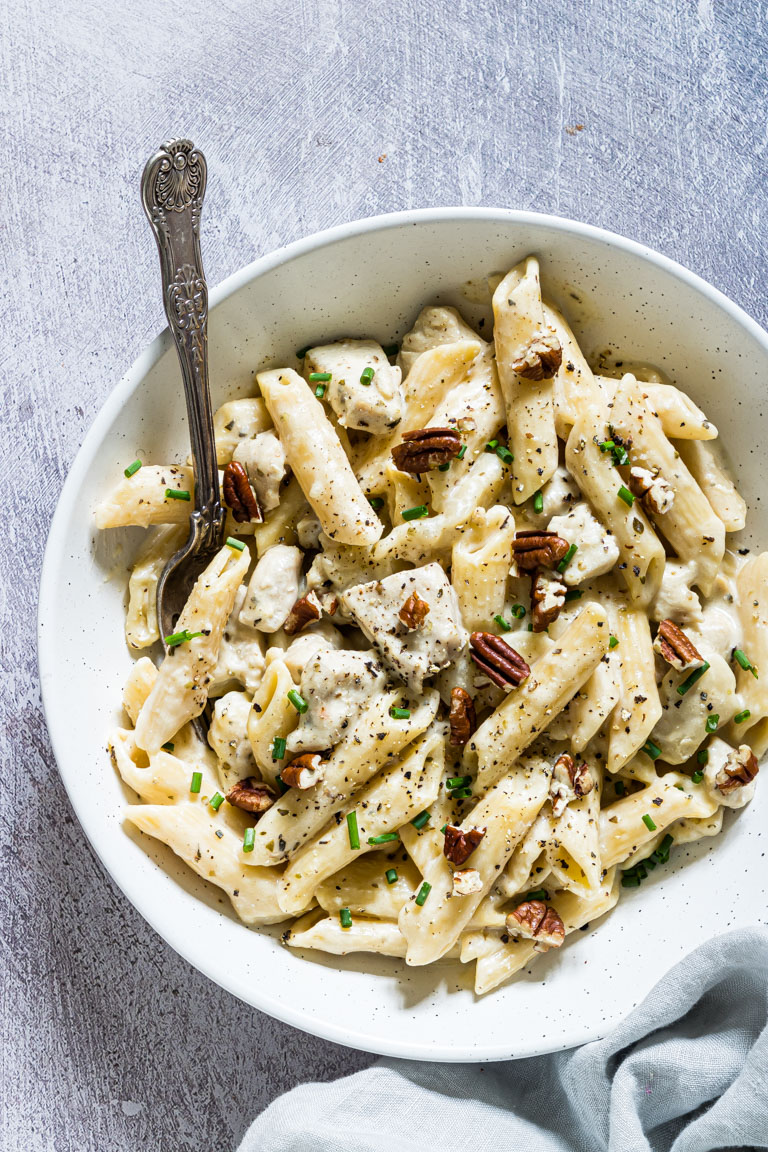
434	326
263	458
241	653
413	654
273	588
597	548
364	389
682	726
336	685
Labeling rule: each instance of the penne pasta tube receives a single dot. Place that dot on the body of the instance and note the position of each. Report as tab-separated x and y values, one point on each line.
575	387
141	499
573	851
141	627
480	564
279	526
236	421
703	463
680	418
752	589
623	829
527	866
363	935
594	702
138	686
638	708
364	886
272	717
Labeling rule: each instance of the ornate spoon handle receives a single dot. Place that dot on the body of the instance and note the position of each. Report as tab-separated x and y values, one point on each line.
172	191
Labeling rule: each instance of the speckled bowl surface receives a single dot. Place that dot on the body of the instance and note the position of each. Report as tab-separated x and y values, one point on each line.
371	278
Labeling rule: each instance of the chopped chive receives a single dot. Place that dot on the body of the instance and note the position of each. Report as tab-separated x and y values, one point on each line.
538	502
613	642
518	611
316	377
278	748
354	835
530	628
502	623
573	549
640	870
390	349
443	829
461	794
416	513
625	495
691	680
424	891
216	801
666	843
740	717
504	454
219	834
573	594
391	875
651	750
384	838
702	756
443	467
176	494
168	747
537	894
367	375
712	722
491	446
182	637
282	785
461	452
236	544
651	862
400	713
320	391
298	701
697	776
129	471
648	821
249	839
619	787
419	821
196	783
376	502
458	781
739	655
345	917
628	881
607	446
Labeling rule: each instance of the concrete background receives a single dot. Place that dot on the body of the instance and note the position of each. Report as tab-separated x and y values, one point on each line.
649	118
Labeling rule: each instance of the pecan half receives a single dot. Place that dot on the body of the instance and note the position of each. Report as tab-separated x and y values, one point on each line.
462	717
467	882
541	358
251	794
303	771
568	783
673	644
239	495
537	921
305	611
458	846
414	612
740	768
426	448
498	660
547	599
651	489
538	550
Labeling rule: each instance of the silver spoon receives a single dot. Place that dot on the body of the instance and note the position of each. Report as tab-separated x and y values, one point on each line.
172	191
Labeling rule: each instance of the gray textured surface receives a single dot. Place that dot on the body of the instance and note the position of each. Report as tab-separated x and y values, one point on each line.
110	1041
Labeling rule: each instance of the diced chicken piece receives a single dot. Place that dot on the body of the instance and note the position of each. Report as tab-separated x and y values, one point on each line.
263	458
336	685
434	326
412	654
559	495
364	389
299	652
228	736
273	588
726	769
236	422
682	726
241	653
597	550
675	600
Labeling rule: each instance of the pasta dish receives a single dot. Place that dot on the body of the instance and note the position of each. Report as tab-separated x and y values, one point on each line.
476	658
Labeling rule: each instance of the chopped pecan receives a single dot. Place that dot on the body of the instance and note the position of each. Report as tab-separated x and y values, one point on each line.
426	448
651	489
251	794
305	611
541	358
467	882
568	783
537	921
462	716
239	495
303	771
458	846
498	660
547	599
740	768
538	550
673	644
414	612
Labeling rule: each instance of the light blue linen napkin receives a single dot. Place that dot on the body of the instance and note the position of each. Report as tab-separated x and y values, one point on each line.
687	1071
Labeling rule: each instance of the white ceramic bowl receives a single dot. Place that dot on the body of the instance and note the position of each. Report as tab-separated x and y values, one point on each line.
371	278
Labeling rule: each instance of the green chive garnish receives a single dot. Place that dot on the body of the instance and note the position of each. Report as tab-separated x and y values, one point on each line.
320	391
196	783
282	785
391	875
648	821
384	838
345	917
298	701
390	349
691	680
278	748
443	467
376	502
316	377
461	794
628	881
400	713
625	495
249	839
168	747
537	894
607	446
176	494
739	655
697	776
573	549
182	637
461	452
443	829
354	835
129	471
573	594
219	834
367	375
458	781
502	623
491	446
216	801
419	821
538	502
620	787
651	750
416	513
236	544
504	454
702	756
740	717
613	642
712	722
518	611
424	891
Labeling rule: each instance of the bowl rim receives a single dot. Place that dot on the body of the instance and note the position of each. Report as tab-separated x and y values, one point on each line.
130	381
